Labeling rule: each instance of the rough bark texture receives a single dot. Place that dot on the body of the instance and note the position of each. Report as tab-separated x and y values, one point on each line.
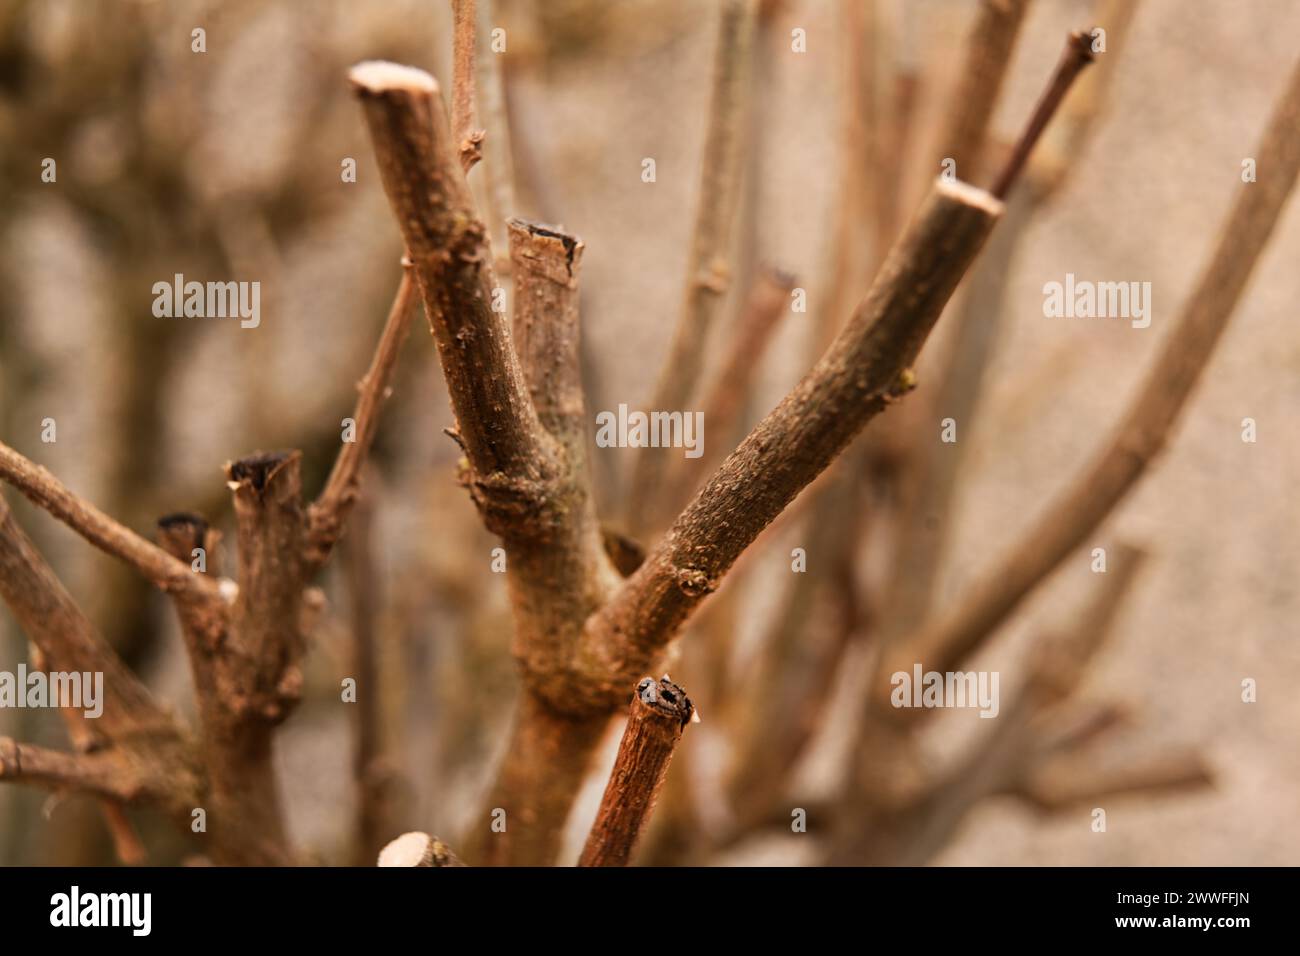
510	461
866	368
659	713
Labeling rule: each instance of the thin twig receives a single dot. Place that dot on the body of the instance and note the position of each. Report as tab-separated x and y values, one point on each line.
464	122
660	710
1076	55
708	275
155	564
498	156
102	773
328	514
767	303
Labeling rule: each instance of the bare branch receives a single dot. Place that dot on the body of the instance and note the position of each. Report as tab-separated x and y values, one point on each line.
708	273
103	773
203	623
45	491
659	713
1150	418
269	521
328	514
866	368
464	122
508	453
1074	58
1066	139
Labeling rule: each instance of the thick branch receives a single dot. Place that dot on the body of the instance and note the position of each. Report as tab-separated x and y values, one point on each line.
328	514
508	454
708	274
45	491
555	581
866	368
659	713
1150	418
251	679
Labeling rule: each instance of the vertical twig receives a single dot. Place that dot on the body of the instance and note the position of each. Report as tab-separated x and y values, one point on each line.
708	274
464	122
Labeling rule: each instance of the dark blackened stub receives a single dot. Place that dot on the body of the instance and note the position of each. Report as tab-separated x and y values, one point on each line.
666	698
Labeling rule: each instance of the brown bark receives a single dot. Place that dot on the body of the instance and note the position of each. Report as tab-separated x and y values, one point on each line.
865	369
531	485
464	120
1074	59
135	750
659	712
544	766
510	462
45	491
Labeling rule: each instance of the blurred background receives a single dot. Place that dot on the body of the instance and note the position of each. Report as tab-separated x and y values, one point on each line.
226	165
